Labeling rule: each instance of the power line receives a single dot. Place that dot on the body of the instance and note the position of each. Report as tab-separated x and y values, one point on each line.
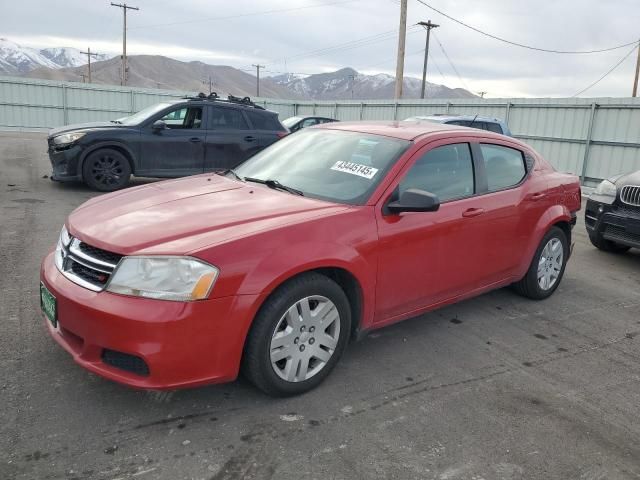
450	62
510	42
608	72
251	14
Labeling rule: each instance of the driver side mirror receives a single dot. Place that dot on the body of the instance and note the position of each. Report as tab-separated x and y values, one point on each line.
158	125
414	200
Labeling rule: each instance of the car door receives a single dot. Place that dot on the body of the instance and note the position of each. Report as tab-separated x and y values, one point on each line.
428	257
513	200
229	141
176	150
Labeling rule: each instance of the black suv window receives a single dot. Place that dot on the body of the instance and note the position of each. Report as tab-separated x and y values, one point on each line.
226	118
184	118
462	123
445	171
263	121
504	166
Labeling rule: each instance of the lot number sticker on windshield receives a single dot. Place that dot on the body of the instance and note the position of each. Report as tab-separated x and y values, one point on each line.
355	169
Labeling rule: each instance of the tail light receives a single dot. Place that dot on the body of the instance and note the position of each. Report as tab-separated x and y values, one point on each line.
282	134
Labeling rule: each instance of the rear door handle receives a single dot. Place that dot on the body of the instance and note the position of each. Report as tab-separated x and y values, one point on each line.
472	212
249	138
195	139
538	196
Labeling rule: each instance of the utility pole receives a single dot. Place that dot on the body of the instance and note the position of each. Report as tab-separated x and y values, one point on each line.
635	82
482	94
89	55
258	67
428	25
210	82
353	78
402	37
124	8
83	77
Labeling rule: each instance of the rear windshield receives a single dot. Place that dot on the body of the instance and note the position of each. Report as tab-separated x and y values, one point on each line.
339	166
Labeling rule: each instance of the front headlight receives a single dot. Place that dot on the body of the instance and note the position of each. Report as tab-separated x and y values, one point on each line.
67	138
181	279
64	240
607	191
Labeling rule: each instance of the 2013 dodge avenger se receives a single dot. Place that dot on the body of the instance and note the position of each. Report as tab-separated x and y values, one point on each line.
326	234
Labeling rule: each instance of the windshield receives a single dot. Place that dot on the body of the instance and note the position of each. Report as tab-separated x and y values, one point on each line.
291	121
143	114
338	166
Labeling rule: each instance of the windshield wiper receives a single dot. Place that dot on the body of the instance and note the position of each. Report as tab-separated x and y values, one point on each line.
116	121
232	172
275	184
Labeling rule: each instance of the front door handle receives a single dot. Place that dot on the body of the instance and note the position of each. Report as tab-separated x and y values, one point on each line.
472	212
195	139
249	138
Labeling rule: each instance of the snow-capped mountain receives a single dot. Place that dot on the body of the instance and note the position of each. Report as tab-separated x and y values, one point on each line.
70	57
347	83
16	59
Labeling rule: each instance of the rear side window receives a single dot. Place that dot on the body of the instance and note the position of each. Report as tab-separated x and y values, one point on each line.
493	127
445	171
504	166
263	121
226	118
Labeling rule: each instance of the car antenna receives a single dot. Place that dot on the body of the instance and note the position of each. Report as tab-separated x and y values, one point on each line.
473	121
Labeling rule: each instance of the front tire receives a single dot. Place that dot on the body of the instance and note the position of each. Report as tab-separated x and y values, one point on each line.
547	267
298	336
106	170
601	243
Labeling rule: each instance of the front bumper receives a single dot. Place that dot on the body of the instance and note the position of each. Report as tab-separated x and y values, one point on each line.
65	163
182	344
619	224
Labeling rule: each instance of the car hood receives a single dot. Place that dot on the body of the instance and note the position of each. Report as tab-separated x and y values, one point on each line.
182	216
83	126
632	178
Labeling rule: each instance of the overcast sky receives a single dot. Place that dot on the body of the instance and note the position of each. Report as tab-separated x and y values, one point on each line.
284	40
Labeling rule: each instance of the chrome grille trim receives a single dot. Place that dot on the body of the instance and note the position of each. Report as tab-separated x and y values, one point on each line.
73	255
630	194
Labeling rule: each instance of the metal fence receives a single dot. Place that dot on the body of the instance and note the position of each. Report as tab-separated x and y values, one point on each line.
594	138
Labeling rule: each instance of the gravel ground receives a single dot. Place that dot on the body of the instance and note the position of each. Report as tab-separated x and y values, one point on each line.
498	387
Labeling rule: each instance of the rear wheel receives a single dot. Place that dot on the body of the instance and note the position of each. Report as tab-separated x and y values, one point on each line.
106	170
298	336
601	243
547	267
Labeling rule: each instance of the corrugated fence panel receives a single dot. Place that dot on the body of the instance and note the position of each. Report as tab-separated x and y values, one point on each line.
558	128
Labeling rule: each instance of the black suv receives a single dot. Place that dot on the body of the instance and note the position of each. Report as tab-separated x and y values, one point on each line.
171	139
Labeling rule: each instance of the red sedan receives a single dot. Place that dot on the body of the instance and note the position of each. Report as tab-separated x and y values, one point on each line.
327	234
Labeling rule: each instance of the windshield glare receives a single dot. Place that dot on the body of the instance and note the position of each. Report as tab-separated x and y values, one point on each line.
338	166
143	114
291	121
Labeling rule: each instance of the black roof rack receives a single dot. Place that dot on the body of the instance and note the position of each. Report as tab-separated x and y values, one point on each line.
213	97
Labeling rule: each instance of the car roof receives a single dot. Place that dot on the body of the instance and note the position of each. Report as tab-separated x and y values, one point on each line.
448	118
412	130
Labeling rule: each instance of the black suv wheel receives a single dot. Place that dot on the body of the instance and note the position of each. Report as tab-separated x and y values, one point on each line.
106	170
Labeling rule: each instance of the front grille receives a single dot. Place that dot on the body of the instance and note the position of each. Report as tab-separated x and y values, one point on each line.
88	266
630	194
628	211
617	233
124	361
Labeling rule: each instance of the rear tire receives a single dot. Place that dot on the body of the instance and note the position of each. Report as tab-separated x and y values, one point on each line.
298	336
106	170
547	267
601	243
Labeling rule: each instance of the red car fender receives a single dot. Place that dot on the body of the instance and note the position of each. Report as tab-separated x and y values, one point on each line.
275	269
554	214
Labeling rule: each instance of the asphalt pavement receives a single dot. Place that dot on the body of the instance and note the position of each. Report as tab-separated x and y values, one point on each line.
497	387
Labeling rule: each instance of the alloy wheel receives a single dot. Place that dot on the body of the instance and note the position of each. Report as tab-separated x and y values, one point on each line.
107	170
305	338
550	264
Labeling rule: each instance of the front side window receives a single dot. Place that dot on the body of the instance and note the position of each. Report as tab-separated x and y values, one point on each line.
339	166
184	118
445	171
504	166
